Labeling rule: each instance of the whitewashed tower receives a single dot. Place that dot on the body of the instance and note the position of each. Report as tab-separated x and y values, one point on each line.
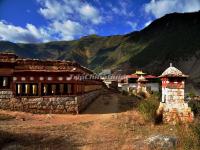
141	84
174	108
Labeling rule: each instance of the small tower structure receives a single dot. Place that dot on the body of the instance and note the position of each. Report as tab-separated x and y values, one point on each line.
173	106
141	84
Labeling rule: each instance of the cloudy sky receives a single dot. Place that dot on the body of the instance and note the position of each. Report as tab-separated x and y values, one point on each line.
50	20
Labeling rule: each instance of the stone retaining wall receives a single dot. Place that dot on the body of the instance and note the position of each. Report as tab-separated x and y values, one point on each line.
173	116
178	112
50	104
6	94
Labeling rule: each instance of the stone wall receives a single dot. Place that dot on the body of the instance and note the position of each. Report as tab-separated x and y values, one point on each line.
174	113
50	104
173	116
4	94
84	100
173	106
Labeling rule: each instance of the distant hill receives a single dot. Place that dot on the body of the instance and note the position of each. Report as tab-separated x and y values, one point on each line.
173	38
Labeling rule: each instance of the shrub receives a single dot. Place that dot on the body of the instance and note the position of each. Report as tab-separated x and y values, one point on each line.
191	94
142	94
195	106
148	107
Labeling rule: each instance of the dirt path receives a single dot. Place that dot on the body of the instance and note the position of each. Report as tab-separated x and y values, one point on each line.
105	104
101	126
103	107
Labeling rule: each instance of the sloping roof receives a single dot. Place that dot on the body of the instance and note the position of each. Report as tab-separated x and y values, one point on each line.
137	76
34	65
172	72
142	79
132	76
150	77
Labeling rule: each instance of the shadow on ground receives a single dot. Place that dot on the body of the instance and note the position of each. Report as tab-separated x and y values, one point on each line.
32	141
111	102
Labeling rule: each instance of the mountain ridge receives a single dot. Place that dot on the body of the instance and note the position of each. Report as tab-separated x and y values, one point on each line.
171	38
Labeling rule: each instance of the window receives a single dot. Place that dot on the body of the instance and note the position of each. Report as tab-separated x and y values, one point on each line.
44	89
61	88
53	89
4	82
79	88
56	89
49	78
26	89
34	89
18	89
69	88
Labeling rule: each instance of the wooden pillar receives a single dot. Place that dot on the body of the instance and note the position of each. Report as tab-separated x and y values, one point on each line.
11	82
74	89
13	87
39	89
82	88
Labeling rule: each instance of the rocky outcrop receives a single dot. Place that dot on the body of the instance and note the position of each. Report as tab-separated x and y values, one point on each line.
161	142
50	104
157	142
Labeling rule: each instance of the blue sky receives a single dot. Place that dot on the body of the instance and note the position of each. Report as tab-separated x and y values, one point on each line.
49	20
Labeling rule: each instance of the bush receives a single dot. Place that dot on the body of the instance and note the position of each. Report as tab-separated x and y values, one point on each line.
195	107
142	94
149	106
191	94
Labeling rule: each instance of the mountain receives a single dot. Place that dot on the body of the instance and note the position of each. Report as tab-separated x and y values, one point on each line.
173	38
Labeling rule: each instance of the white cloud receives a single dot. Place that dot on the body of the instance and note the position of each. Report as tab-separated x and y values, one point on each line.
124	9
115	10
88	12
158	8
69	9
67	30
70	18
18	34
133	25
121	8
54	9
147	23
92	31
57	30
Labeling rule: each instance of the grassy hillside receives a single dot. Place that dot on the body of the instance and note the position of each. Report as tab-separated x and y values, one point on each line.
172	38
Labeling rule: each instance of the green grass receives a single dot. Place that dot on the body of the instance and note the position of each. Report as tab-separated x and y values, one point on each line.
147	107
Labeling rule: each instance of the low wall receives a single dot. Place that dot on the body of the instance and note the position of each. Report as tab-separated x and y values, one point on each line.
175	112
4	94
50	104
173	116
84	100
